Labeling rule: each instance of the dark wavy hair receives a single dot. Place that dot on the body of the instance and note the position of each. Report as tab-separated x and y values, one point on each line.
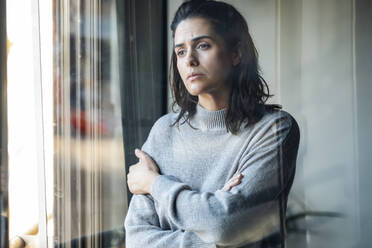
249	91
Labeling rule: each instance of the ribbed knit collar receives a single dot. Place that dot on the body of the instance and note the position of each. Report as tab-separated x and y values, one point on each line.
206	119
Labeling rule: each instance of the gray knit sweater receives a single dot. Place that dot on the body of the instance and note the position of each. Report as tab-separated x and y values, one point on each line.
187	208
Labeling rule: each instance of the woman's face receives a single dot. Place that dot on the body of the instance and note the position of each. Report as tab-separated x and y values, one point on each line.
203	61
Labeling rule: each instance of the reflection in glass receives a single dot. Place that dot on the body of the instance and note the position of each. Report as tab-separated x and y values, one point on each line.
109	88
89	186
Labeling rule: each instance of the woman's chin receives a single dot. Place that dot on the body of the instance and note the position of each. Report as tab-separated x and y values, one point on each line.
194	89
195	92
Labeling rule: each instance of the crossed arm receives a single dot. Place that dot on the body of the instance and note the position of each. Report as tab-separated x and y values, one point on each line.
214	217
143	228
143	219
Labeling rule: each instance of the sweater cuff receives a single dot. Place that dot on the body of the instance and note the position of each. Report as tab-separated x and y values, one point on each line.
161	186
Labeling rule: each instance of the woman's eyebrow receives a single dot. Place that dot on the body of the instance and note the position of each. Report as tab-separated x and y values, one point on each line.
195	39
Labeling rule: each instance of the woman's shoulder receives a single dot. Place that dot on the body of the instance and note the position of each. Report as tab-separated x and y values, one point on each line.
159	134
278	115
280	120
275	118
164	123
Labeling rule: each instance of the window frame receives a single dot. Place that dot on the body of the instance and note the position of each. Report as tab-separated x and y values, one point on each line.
4	224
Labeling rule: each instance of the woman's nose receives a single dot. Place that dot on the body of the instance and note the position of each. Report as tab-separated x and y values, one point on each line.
191	59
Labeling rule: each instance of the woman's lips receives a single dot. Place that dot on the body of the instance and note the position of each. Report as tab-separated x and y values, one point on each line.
194	76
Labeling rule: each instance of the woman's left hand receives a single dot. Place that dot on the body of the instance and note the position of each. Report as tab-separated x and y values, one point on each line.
142	174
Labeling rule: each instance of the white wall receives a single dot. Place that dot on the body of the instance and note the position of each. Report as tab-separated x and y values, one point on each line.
317	86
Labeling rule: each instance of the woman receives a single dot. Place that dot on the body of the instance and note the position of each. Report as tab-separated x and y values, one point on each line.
216	173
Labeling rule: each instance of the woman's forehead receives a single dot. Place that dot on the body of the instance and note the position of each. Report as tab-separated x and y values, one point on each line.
192	28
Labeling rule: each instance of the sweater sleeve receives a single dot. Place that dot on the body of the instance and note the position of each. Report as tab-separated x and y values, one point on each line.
142	224
142	228
253	209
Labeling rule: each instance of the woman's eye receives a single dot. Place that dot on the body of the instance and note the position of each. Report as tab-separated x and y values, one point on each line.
180	52
203	46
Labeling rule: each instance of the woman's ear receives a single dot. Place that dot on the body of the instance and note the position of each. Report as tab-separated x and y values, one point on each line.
236	55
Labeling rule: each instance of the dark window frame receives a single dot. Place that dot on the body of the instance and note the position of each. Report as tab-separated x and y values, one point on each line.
4	225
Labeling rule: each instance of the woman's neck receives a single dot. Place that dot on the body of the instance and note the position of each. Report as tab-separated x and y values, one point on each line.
214	101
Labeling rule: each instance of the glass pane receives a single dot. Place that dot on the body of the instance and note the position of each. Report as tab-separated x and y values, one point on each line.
89	168
22	124
108	91
314	55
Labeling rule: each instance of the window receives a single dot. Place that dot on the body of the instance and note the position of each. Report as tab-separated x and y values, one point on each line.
83	81
101	87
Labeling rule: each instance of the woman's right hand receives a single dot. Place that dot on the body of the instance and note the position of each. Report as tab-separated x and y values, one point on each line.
233	181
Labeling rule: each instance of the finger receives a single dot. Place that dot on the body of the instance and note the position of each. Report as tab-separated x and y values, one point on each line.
235	182
131	188
140	154
229	182
137	153
235	176
129	177
132	167
225	187
238	175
